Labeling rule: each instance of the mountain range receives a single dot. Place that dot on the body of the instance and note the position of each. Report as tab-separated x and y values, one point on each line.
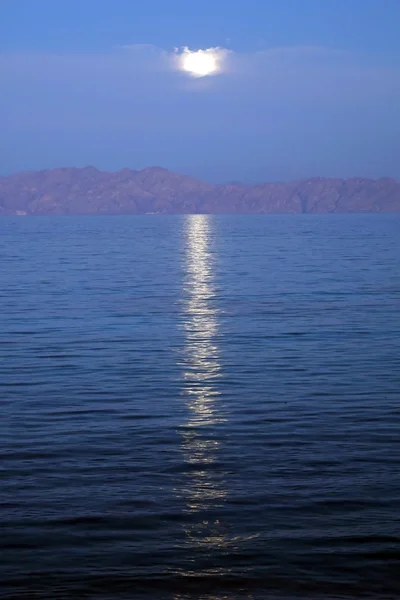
68	191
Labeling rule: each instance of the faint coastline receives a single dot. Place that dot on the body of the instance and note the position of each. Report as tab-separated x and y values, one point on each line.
154	190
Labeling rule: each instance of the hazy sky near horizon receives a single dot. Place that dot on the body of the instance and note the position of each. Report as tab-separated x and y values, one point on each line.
307	87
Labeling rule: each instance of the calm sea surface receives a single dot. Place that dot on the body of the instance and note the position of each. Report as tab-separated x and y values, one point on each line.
200	407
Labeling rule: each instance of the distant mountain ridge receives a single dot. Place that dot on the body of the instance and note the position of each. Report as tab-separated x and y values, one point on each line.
68	191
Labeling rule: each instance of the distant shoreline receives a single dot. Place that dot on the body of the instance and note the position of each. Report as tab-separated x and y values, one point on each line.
154	190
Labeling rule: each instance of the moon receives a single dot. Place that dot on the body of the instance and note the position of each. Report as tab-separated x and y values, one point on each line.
202	63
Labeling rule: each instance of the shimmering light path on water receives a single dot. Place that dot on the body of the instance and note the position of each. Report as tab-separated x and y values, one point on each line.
200	407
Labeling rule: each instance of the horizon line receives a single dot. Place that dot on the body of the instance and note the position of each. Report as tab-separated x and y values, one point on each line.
226	183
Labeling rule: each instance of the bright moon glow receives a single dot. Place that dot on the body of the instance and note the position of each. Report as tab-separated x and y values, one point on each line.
201	63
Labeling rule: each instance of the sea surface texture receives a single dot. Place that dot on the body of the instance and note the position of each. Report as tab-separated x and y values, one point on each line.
200	407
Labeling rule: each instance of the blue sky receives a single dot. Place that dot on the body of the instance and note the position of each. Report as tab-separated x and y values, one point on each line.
310	87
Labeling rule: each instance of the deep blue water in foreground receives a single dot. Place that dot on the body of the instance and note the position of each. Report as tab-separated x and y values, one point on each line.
200	407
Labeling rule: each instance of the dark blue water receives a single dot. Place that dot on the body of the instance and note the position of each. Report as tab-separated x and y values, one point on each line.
200	407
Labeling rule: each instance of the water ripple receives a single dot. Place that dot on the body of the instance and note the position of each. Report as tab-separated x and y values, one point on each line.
200	407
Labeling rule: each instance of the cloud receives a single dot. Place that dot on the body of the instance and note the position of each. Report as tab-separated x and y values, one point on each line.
304	107
152	58
287	66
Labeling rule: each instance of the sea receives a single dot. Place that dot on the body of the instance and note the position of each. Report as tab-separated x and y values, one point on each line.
200	407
